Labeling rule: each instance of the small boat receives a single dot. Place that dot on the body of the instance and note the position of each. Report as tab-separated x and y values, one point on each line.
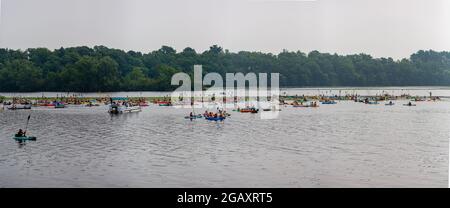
164	103
330	102
90	104
194	117
271	109
389	104
59	105
24	138
305	106
119	109
215	118
20	107
249	110
143	104
373	103
132	109
409	104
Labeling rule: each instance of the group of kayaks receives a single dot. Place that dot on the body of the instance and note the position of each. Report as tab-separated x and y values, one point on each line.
305	106
301	105
390	103
209	118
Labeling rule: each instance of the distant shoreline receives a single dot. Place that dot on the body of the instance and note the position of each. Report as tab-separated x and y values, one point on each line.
441	91
437	87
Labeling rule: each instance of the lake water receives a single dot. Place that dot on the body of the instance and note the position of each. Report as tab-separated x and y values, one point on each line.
344	145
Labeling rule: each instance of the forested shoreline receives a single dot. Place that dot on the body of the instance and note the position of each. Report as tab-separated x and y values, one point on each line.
102	69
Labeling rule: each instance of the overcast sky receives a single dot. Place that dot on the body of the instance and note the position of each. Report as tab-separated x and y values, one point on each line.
382	28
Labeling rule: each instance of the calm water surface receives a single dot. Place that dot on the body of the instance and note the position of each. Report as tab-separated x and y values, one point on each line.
344	145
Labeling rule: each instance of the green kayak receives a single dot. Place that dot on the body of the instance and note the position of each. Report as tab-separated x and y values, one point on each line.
25	138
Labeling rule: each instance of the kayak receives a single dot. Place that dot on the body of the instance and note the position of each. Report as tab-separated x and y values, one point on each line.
389	104
193	117
60	105
409	105
329	102
92	105
20	107
271	109
249	111
304	106
24	138
214	119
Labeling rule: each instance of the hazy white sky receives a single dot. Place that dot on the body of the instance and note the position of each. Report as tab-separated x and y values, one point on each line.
394	28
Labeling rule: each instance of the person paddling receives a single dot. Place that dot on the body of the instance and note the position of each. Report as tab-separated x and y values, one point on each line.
21	133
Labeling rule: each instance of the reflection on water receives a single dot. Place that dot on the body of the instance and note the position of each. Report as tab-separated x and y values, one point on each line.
348	144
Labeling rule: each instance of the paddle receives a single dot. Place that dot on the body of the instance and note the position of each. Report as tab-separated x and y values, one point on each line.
28	120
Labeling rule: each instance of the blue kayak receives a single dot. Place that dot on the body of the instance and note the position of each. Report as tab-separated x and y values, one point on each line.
24	138
329	102
214	119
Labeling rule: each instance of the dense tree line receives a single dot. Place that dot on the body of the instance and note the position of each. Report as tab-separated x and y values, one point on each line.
102	69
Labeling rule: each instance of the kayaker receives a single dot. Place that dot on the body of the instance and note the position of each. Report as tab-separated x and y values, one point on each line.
191	115
21	133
